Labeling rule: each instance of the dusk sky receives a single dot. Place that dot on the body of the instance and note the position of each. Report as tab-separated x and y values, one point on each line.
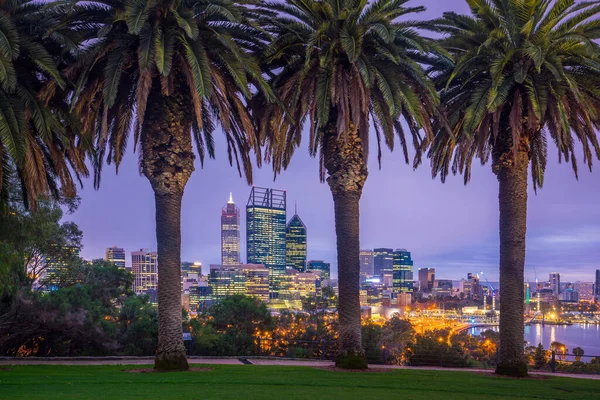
451	227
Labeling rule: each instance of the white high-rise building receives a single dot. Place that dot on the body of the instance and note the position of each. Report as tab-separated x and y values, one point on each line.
144	265
230	233
367	263
555	283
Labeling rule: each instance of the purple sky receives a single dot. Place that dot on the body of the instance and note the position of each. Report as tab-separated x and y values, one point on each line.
451	227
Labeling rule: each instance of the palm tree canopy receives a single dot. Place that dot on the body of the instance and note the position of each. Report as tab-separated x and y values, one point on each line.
39	145
518	70
343	62
138	43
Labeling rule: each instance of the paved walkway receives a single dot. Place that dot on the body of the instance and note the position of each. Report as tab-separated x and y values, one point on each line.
238	361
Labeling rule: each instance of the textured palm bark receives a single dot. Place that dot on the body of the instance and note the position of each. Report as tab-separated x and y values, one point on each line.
347	172
168	162
512	178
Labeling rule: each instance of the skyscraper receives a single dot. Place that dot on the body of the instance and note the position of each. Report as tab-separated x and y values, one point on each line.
115	255
144	265
402	271
555	283
366	263
230	233
295	237
60	258
266	227
383	262
426	279
247	279
597	287
320	265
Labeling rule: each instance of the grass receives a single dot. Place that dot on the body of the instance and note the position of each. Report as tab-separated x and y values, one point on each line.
273	382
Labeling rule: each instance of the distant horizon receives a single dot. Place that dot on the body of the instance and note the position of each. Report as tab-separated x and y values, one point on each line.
450	227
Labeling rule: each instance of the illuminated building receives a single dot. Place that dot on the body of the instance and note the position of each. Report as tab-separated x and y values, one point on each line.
383	262
144	265
294	287
426	279
55	264
295	238
247	279
191	269
230	233
319	265
266	229
200	298
402	271
367	267
585	290
555	283
115	255
597	287
442	287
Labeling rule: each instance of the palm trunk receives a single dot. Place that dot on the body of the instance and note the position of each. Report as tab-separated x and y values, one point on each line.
168	162
513	226
347	172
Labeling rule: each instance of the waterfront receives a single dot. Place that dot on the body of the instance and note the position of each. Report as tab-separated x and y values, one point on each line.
578	335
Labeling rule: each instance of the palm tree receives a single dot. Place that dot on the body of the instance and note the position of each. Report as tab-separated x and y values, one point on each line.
343	64
39	149
167	70
518	72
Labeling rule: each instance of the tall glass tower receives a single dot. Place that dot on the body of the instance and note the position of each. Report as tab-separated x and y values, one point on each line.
230	233
296	243
597	287
383	262
266	232
403	271
115	255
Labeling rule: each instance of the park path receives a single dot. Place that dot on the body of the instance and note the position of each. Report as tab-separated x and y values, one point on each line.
238	361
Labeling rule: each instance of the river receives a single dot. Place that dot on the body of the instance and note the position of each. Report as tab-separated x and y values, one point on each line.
578	335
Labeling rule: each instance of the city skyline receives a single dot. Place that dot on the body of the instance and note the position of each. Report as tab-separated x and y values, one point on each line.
450	227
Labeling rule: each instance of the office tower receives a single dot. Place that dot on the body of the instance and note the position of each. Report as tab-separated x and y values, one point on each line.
191	269
366	263
115	255
295	236
585	290
555	283
402	271
230	233
55	264
319	265
383	262
426	278
144	265
597	287
265	238
442	287
247	279
472	288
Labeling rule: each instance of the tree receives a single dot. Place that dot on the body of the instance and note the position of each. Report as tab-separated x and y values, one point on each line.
515	73
540	357
343	65
39	145
168	71
35	240
238	320
74	319
578	353
560	349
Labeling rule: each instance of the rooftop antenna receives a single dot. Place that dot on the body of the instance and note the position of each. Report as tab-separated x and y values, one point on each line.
230	198
296	207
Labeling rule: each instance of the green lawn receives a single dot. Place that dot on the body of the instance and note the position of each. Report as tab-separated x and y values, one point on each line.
282	383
